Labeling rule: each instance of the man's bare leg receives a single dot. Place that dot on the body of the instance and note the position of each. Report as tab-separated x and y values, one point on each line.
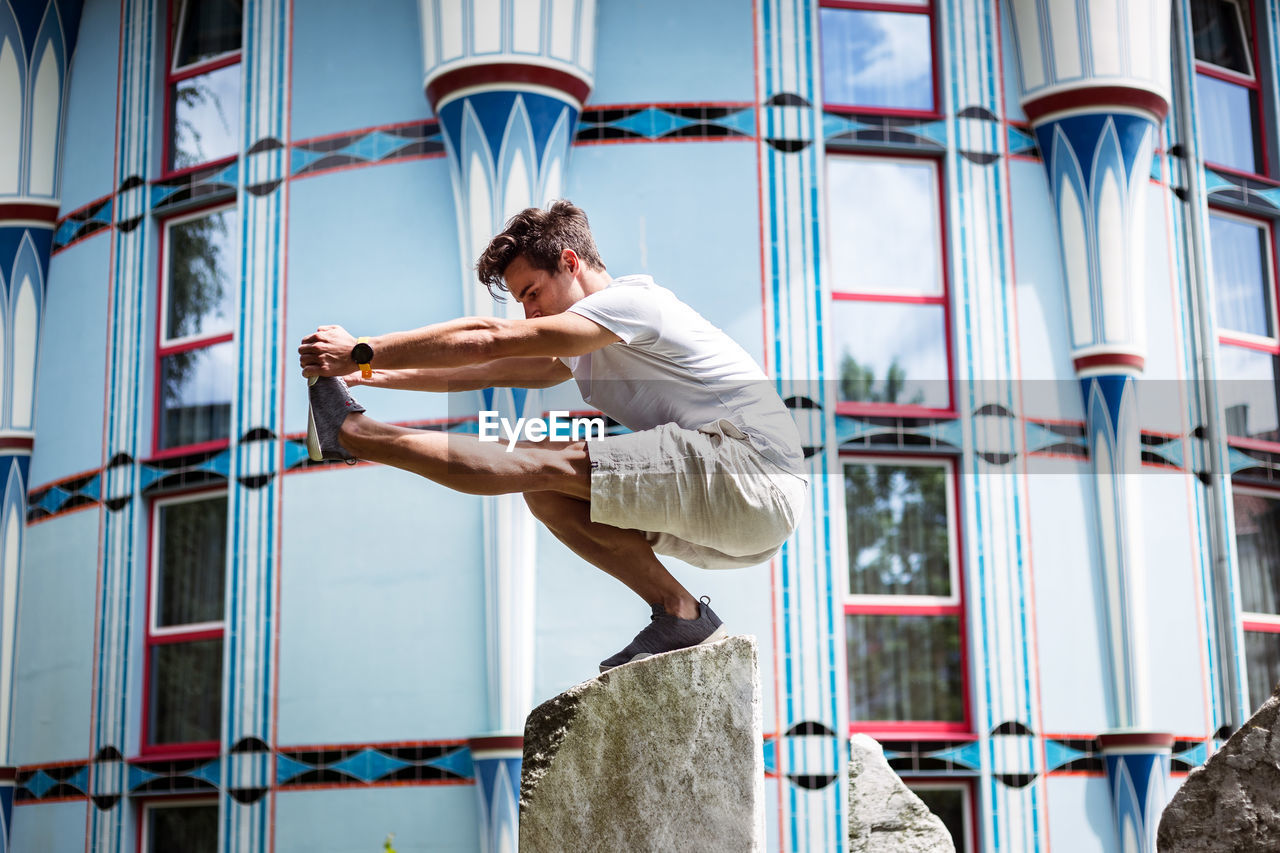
466	464
625	554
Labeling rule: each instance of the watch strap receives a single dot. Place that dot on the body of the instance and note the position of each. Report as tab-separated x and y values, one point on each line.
366	369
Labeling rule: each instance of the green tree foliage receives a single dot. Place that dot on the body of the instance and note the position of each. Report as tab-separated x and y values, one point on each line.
858	384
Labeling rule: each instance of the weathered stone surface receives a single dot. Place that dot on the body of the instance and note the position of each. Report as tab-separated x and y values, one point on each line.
884	815
1232	803
662	754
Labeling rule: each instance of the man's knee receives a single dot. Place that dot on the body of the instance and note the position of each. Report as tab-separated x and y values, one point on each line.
543	504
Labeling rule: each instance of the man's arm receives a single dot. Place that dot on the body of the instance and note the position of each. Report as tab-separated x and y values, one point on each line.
501	373
457	343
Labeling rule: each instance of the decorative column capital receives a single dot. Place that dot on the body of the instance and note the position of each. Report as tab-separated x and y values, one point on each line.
1078	54
470	46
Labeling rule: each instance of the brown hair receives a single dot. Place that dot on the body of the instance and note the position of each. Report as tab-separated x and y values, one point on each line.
540	235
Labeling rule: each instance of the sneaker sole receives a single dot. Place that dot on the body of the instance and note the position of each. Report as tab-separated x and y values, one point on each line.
718	634
313	438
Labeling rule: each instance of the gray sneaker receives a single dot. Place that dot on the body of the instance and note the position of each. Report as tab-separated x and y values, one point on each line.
666	633
330	405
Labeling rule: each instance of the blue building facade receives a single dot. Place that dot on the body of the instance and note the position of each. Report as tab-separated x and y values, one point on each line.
1011	264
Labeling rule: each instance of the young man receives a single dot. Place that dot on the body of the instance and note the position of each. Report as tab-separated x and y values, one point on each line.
711	472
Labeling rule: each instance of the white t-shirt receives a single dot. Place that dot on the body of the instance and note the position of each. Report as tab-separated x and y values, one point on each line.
673	366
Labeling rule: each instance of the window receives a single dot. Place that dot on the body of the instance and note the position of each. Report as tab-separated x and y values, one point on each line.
890	315
191	827
1245	303
903	616
195	353
878	56
203	92
185	624
953	804
1228	91
1257	515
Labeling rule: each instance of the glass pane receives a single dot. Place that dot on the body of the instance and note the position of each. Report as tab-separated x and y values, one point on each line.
877	59
898	530
1241	276
203	257
948	804
1219	35
1228	125
193	560
885	226
182	829
186	692
209	28
1258	550
1247	388
905	668
197	388
891	353
206	118
1263	653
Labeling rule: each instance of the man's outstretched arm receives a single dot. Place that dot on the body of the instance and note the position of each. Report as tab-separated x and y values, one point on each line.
542	372
457	343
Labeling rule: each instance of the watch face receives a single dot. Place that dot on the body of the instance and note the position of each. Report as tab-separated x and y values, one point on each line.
362	353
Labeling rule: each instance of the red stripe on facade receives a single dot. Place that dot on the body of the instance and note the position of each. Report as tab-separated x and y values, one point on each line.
29	211
1147	740
1097	96
486	744
14	442
1110	359
506	72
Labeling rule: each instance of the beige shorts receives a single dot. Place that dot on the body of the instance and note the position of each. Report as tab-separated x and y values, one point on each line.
703	496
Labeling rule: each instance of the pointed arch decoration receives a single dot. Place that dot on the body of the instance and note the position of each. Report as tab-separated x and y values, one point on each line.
12	514
11	89
50	63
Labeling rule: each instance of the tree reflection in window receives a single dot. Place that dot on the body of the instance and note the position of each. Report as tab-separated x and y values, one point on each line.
898	530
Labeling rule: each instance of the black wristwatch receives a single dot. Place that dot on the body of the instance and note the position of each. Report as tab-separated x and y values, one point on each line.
362	355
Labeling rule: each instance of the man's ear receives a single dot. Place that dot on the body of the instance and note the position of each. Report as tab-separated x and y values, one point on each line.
569	258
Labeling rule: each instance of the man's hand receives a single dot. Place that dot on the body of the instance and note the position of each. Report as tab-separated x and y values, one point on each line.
327	352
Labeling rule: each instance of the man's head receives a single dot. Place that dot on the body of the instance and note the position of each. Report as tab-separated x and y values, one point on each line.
540	238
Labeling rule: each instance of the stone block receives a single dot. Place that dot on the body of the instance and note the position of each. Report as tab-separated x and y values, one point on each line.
885	816
661	754
1232	802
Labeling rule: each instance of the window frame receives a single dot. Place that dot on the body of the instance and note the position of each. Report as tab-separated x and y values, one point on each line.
178	634
909	7
179	345
174	75
968	802
1256	343
1252	82
1251	620
173	801
918	605
943	298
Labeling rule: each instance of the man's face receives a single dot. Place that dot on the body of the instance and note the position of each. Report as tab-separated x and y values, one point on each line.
540	292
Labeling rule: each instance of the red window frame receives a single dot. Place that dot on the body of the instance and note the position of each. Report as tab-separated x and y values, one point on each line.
167	802
174	76
1252	82
886	605
909	7
970	808
181	634
164	348
943	298
1271	346
1253	621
